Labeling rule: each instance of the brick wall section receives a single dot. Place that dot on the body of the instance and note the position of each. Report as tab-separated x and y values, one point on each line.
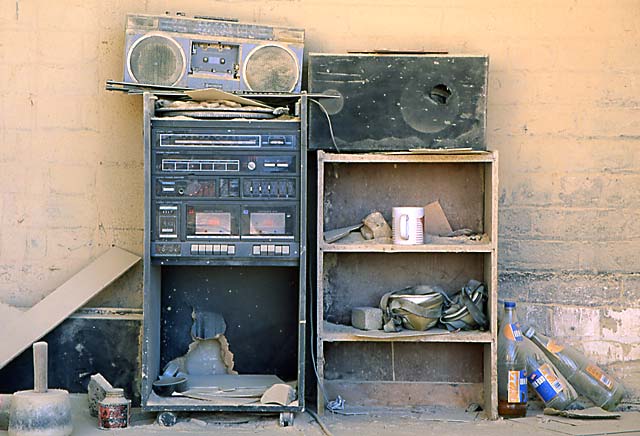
564	97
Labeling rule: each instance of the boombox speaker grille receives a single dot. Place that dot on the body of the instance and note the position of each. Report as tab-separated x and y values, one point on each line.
271	68
156	60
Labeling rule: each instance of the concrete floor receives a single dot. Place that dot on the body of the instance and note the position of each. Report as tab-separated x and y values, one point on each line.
405	422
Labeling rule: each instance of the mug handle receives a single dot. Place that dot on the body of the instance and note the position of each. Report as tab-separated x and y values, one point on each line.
404	227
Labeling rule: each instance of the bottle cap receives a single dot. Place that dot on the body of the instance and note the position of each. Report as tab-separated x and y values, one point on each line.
509	304
530	331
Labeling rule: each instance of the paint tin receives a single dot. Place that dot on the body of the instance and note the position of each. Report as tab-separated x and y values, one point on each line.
113	410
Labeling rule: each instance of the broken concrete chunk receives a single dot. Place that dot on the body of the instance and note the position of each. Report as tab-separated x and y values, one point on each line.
366	318
5	407
375	227
206	357
435	221
97	389
281	394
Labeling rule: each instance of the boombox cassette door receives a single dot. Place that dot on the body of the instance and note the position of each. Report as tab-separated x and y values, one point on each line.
398	102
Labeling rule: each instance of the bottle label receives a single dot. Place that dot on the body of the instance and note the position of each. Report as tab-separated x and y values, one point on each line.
517	387
554	347
599	375
513	332
546	383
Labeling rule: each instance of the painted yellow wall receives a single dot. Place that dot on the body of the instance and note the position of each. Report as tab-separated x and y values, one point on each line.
564	101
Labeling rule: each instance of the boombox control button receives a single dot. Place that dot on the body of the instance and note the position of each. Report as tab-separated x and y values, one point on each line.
285	250
278	250
231	249
251	166
271	250
216	249
194	249
263	249
207	249
256	250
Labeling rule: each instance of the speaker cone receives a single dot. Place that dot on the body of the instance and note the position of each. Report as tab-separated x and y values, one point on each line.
156	60
271	68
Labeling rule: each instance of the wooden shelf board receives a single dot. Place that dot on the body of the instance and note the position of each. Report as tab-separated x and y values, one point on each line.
477	157
422	248
344	333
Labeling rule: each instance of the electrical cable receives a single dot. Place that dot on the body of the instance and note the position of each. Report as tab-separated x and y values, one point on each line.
336	406
322	425
333	138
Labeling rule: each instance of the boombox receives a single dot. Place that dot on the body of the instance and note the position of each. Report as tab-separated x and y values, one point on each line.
212	53
385	102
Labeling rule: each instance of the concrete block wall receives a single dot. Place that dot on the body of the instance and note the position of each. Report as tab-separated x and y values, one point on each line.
564	97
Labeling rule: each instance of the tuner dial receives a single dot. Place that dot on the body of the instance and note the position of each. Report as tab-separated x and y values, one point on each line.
251	166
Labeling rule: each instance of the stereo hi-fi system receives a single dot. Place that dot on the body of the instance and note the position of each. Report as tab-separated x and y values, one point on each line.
225	190
212	53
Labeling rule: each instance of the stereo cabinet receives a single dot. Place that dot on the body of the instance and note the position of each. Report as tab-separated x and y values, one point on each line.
374	368
262	299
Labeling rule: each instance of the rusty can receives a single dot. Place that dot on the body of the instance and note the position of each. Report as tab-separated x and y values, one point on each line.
113	410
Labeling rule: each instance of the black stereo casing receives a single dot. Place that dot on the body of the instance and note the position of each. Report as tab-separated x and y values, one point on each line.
398	101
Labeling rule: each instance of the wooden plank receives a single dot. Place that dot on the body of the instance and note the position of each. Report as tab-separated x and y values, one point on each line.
345	333
408	158
21	332
320	399
404	394
469	247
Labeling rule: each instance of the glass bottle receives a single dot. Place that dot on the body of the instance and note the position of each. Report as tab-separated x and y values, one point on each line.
585	376
512	379
551	387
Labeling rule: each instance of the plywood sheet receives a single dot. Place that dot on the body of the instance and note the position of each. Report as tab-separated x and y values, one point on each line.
21	332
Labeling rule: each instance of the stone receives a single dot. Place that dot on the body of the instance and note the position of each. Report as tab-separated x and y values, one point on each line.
375	227
366	318
97	390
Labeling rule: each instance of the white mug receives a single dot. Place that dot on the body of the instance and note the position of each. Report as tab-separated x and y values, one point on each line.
408	225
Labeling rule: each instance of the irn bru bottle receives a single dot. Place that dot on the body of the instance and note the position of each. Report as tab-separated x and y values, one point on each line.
512	373
585	376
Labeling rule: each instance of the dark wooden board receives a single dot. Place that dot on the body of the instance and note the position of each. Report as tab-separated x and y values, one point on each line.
390	102
403	362
354	190
259	305
79	348
360	279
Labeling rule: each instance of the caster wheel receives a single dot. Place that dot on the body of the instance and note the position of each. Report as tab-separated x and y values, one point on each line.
167	419
286	419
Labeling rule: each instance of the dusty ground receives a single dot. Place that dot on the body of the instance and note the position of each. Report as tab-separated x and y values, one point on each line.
409	422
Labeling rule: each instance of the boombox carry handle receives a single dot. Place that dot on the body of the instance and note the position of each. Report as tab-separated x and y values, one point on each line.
208	17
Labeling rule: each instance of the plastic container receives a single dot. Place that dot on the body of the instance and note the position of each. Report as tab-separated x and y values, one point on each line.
114	410
585	376
552	388
512	372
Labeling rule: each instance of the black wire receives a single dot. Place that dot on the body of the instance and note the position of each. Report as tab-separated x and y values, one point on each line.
333	138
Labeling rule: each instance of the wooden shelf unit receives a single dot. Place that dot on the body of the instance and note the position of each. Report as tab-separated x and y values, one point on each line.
406	368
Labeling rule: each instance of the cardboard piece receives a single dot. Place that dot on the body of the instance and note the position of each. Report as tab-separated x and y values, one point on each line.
590	413
217	94
280	393
331	236
22	331
435	221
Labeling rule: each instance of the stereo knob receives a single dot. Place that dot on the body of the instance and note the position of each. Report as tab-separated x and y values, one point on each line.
251	166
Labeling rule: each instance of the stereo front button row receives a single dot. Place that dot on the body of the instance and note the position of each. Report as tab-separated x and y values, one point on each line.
271	250
213	249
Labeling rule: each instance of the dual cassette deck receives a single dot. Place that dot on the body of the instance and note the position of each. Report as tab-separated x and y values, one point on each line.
225	190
